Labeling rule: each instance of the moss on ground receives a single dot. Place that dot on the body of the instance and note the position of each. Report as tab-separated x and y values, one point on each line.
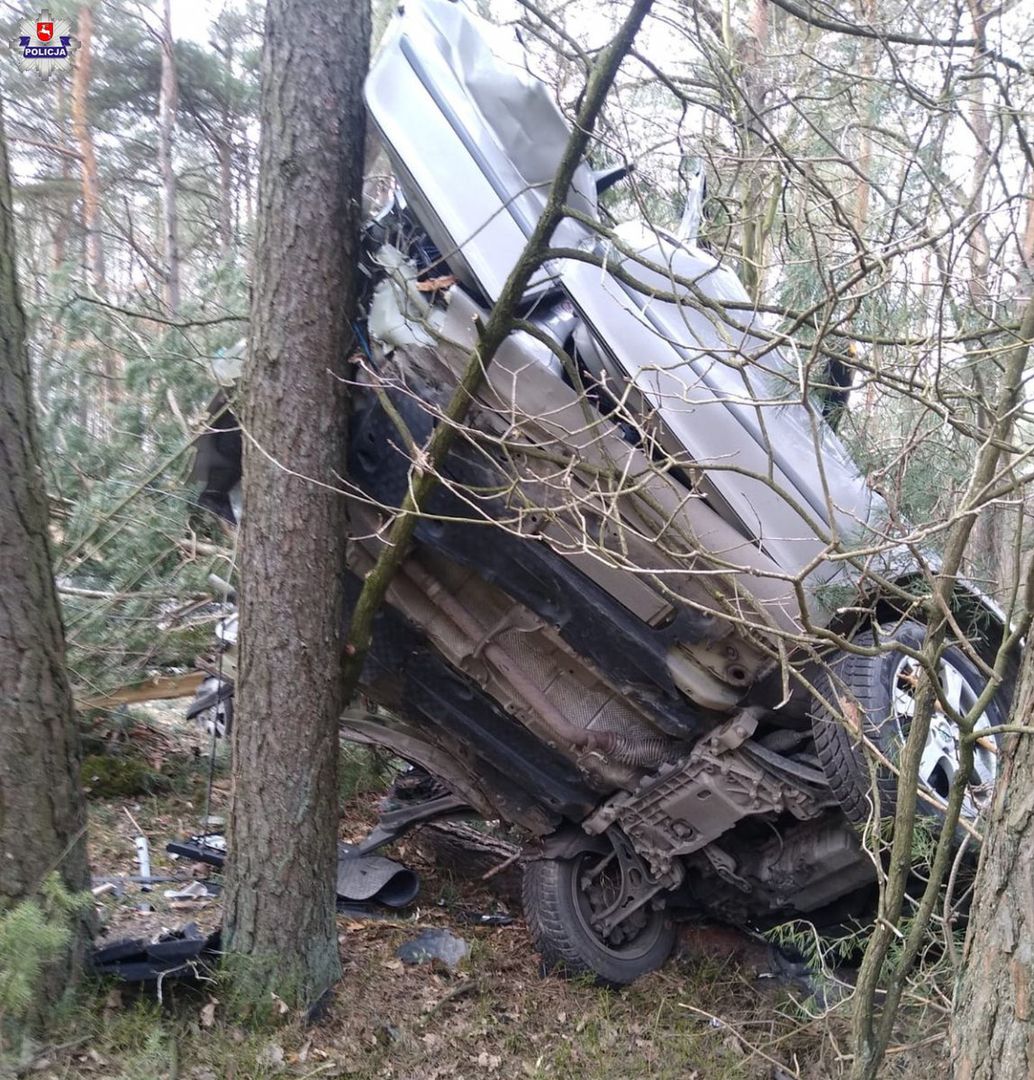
114	776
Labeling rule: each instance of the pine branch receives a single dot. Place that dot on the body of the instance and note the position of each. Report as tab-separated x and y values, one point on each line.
151	316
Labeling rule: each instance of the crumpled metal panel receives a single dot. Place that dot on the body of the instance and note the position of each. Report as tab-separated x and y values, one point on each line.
475	139
474	136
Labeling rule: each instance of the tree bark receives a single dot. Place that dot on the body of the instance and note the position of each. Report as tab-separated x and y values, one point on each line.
59	231
81	74
42	814
224	151
992	555
96	267
750	66
280	903
867	13
993	1021
166	124
478	857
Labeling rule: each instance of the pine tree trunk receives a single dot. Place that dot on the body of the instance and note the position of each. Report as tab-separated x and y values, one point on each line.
993	1022
224	151
752	49
81	74
59	231
167	105
866	90
96	266
42	814
280	904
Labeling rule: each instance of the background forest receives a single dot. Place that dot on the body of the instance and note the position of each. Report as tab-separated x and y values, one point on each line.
868	169
136	194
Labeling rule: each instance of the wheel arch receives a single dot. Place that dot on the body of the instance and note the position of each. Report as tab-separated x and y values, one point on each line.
980	618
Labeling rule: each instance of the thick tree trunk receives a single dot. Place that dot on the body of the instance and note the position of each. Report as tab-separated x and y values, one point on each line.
81	74
167	104
280	903
993	1022
42	815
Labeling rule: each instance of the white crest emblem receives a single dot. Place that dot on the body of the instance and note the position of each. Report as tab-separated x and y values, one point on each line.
45	44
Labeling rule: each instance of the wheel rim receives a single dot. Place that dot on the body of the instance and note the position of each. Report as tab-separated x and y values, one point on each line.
940	758
593	888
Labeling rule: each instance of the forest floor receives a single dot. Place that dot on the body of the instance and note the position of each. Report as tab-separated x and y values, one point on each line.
715	1012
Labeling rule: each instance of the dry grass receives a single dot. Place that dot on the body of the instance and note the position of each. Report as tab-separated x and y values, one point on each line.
495	1018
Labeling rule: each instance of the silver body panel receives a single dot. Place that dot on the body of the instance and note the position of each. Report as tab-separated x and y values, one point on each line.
475	139
474	136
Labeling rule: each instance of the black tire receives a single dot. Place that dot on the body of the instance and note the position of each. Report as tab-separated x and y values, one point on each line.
556	914
868	684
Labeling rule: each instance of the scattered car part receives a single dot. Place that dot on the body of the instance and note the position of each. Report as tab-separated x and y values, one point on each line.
143	858
193	890
183	953
490	918
209	849
212	708
361	877
393	823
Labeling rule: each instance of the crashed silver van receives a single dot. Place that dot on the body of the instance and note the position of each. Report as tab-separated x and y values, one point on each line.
605	631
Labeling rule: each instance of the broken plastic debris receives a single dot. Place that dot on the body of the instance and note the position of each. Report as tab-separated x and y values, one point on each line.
208	848
227	364
495	918
371	877
359	877
175	953
431	945
196	890
143	858
397	309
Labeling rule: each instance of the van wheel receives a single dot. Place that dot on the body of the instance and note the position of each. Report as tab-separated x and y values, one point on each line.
877	697
563	898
